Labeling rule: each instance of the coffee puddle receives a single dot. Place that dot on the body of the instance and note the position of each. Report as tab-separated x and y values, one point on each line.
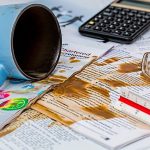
129	67
52	115
108	61
100	111
144	78
114	83
101	90
54	78
72	87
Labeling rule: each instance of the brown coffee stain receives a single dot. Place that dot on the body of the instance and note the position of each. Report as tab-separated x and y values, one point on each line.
52	115
62	71
129	67
145	78
74	61
24	117
108	61
72	87
54	78
114	83
101	90
72	58
2	134
100	111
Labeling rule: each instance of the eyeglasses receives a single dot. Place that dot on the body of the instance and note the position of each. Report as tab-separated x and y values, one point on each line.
146	64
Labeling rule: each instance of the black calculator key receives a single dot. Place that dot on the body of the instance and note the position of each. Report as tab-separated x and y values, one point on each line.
98	28
119	16
123	12
102	25
139	15
147	17
127	34
143	20
131	30
129	22
108	14
125	25
110	18
105	21
131	14
100	16
119	20
122	28
116	23
112	26
107	30
117	32
96	19
115	11
135	27
139	23
135	19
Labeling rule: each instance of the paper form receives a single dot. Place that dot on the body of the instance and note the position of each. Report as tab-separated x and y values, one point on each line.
84	102
33	131
77	52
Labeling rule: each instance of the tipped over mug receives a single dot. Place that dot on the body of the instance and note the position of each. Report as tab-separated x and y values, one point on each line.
30	42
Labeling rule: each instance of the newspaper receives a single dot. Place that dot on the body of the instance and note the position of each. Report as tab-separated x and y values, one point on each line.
15	95
84	102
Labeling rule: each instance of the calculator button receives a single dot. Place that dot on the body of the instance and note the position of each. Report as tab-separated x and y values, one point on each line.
110	18
107	30
129	22
131	30
117	32
102	25
135	27
134	11
143	20
112	26
125	25
115	23
105	21
139	23
97	28
147	17
139	15
122	28
126	34
123	12
115	11
108	14
91	23
100	16
119	20
131	14
108	10
142	12
135	19
96	19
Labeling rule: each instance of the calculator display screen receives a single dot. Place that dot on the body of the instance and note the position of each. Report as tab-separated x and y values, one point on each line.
136	3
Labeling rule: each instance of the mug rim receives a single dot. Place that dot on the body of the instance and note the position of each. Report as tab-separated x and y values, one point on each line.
33	78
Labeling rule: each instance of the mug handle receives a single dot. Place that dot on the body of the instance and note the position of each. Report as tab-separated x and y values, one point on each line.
3	74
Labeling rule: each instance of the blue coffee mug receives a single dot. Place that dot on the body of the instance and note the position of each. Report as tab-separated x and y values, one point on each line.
30	42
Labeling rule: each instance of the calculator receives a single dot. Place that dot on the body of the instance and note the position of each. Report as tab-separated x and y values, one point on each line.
122	21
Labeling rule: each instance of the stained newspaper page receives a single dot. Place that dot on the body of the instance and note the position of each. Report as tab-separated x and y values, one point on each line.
85	102
33	130
77	52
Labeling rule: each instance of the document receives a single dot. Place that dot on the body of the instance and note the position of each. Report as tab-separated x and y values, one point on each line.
32	131
77	52
86	101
